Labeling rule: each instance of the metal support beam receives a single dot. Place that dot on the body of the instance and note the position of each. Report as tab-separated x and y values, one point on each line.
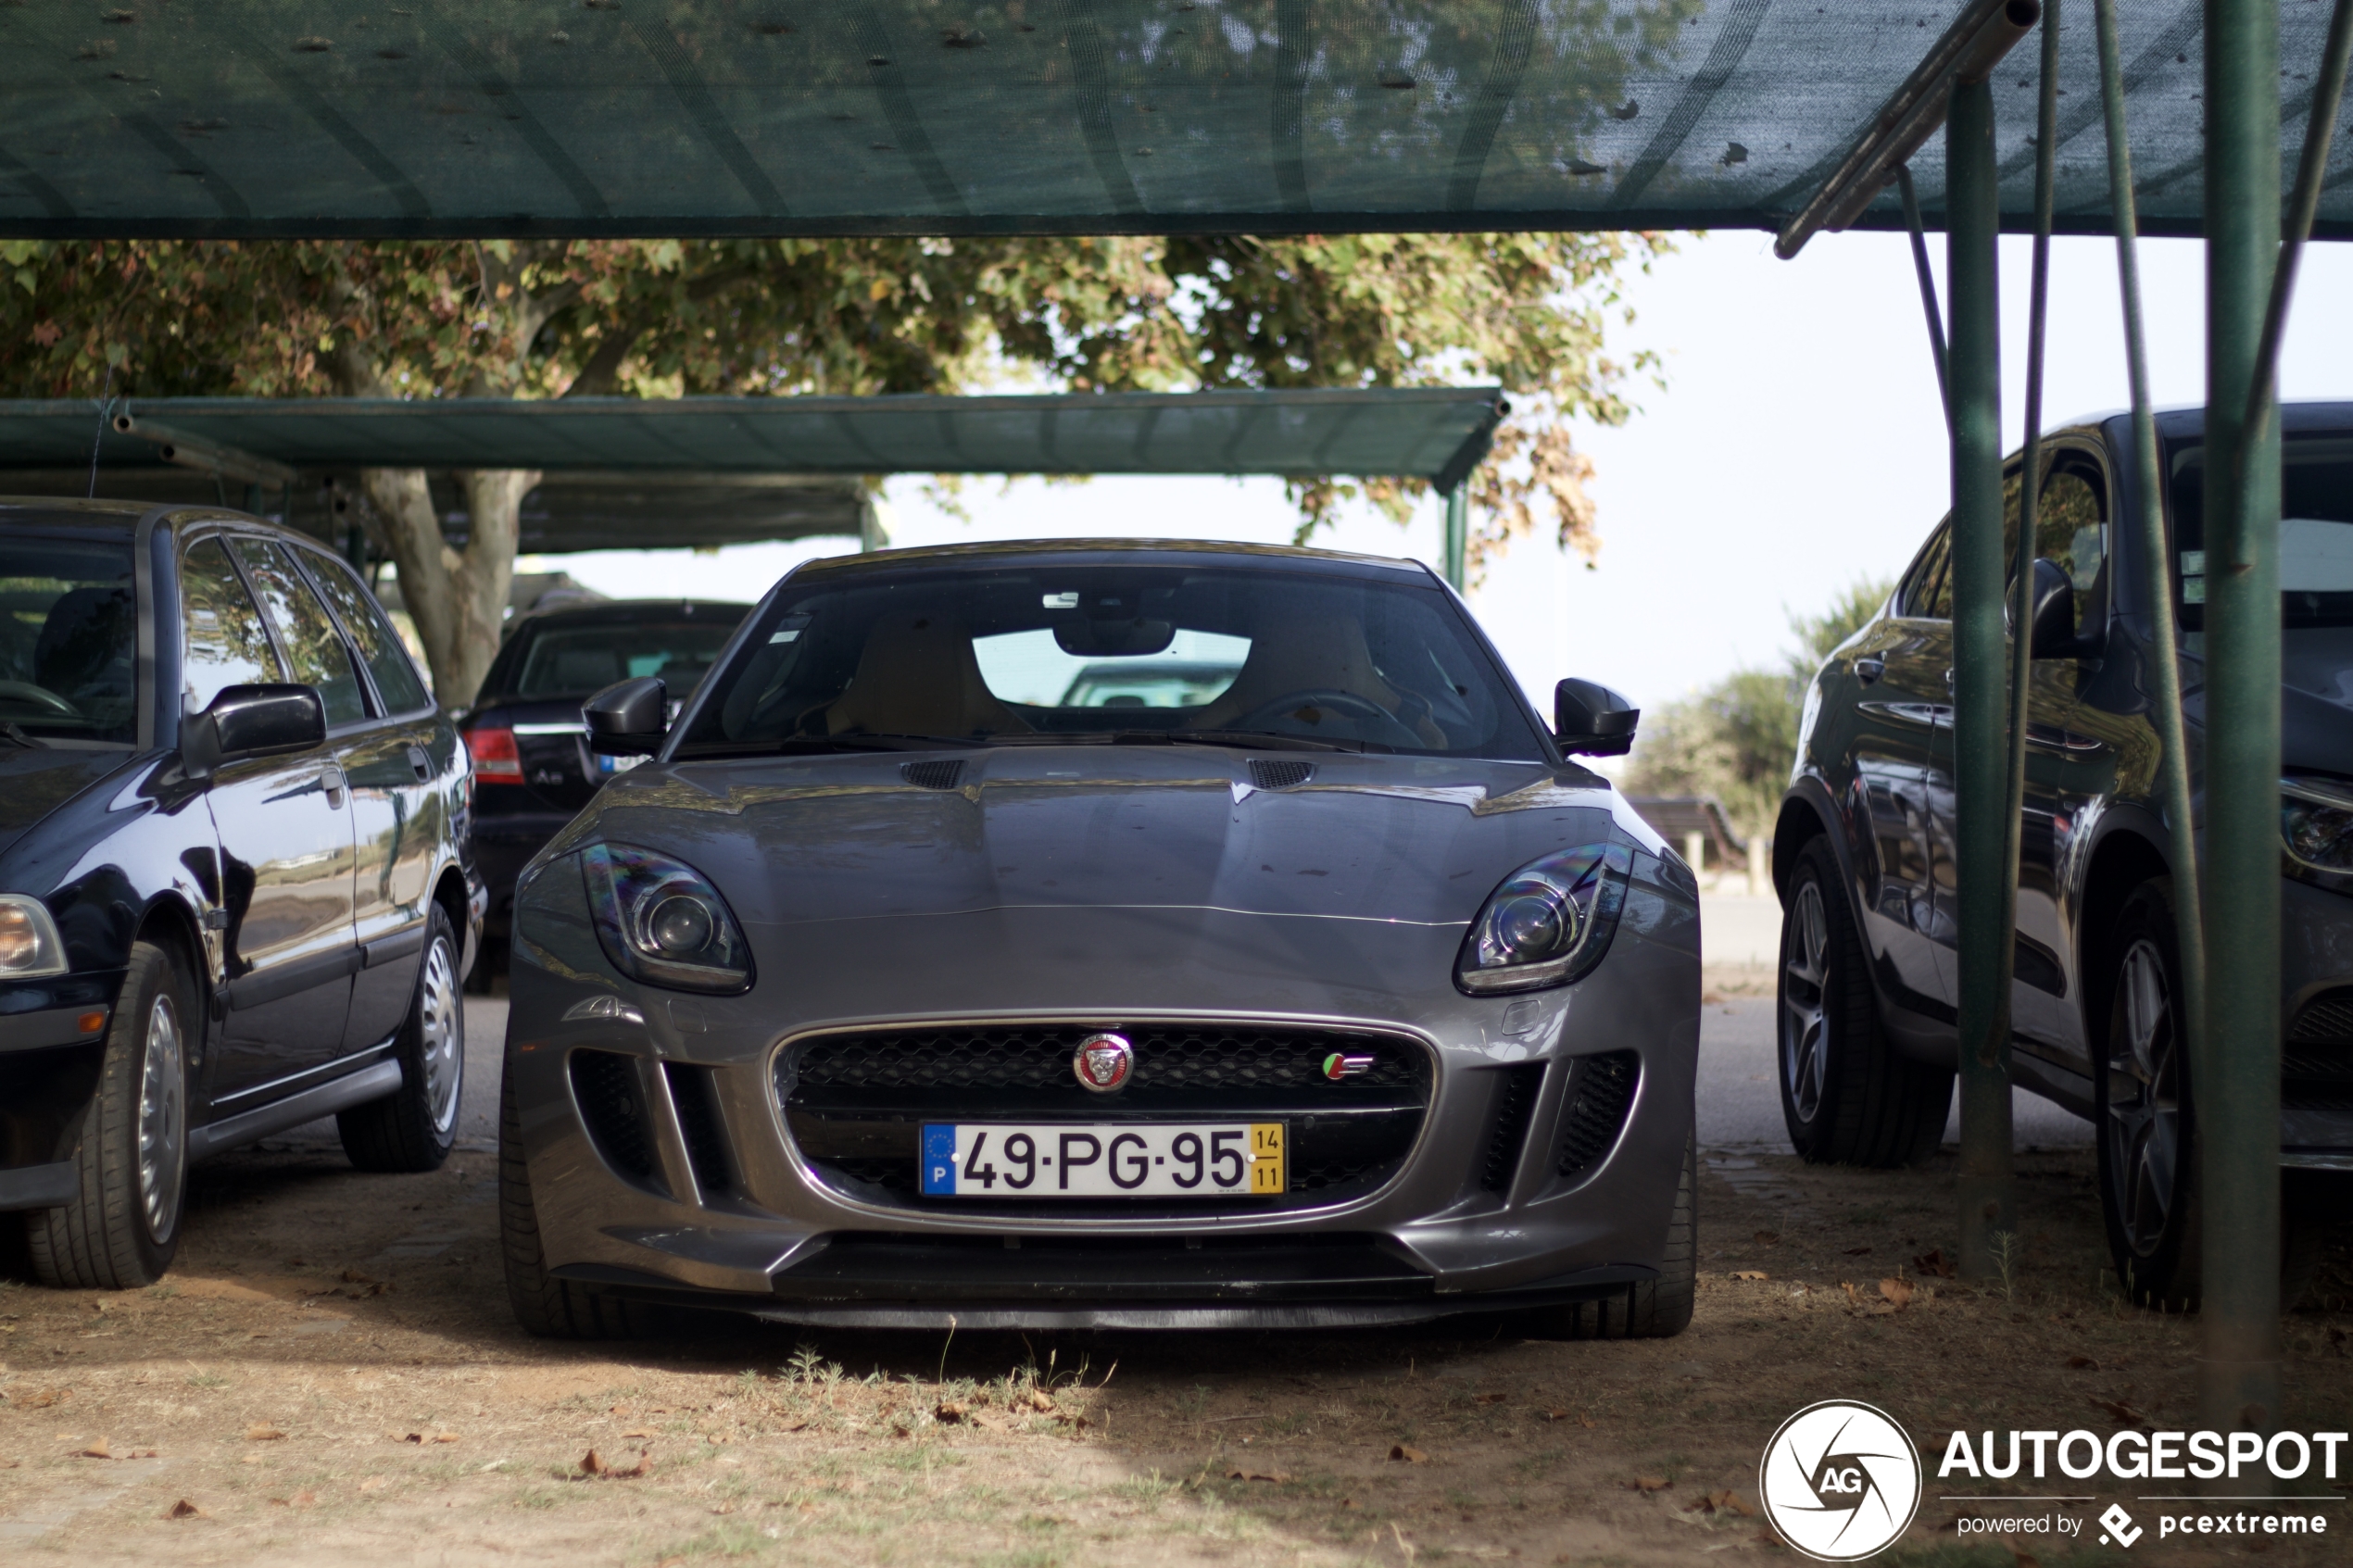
2163	670
206	457
1971	269
2237	1083
1928	290
1998	1023
1457	545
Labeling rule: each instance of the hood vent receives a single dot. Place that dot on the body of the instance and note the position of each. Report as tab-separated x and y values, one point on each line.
933	775
1265	774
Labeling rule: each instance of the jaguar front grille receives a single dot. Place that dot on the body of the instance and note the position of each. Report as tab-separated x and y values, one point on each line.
1353	1101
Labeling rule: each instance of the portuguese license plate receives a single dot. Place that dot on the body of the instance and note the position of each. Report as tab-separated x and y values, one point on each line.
1104	1159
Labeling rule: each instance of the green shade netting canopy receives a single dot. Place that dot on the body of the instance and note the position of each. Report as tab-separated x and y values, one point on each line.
585	117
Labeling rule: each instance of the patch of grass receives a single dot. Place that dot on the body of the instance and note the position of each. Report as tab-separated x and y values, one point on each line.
207	1380
730	1539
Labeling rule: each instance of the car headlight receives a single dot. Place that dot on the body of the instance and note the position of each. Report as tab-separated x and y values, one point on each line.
2316	822
662	922
29	946
1549	922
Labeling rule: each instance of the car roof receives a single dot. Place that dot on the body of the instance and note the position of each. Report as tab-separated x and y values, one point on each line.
1077	552
124	517
625	609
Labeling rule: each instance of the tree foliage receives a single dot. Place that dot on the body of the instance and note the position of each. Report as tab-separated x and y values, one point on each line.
667	318
1737	740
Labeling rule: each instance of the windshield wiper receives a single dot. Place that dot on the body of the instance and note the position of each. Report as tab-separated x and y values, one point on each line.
30	743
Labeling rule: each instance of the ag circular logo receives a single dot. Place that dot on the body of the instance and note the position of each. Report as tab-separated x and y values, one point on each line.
1103	1061
1839	1481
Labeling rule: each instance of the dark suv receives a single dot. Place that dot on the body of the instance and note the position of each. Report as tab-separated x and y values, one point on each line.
533	767
233	888
1864	857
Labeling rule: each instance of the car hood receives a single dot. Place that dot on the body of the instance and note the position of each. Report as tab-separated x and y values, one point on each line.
35	781
847	837
2316	702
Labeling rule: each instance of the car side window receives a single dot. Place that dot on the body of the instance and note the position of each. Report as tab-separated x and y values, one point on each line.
222	639
313	647
380	646
1928	589
2071	527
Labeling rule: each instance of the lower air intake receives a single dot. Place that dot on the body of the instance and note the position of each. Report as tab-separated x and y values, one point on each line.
613	1105
1598	1101
1507	1130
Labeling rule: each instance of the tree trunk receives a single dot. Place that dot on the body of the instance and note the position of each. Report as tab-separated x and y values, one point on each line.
457	600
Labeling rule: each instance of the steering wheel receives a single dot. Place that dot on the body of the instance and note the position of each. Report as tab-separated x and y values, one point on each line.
38	696
1374	722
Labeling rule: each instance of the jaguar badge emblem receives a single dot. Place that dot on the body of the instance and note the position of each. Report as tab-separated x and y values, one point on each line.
1104	1062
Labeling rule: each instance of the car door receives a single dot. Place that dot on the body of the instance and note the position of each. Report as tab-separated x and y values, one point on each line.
397	816
1900	669
283	827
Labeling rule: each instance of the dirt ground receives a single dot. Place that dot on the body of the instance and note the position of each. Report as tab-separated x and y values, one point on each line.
331	1374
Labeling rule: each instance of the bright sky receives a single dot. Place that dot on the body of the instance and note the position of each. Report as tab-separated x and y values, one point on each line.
1796	446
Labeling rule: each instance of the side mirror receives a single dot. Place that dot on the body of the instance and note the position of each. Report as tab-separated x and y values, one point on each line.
263	720
2053	635
1591	720
628	718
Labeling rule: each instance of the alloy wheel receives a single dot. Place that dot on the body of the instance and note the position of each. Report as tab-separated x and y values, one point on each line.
1805	1028
443	1045
2143	1124
163	1121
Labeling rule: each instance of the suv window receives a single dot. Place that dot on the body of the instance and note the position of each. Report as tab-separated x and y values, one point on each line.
2316	529
1928	591
313	647
380	646
2071	526
223	642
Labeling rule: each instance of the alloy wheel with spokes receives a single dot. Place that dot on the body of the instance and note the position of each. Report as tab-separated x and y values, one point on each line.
1804	1039
443	1035
2143	1121
163	1120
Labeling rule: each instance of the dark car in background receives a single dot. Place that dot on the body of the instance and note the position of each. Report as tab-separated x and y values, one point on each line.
1864	854
233	895
532	769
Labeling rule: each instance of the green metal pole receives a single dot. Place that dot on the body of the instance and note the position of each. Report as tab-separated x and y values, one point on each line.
2237	1083
1457	532
2022	691
2164	669
1972	220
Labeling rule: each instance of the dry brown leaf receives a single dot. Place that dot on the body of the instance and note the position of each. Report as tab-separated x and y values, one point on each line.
1769	1239
641	1432
1719	1502
1858	1252
2082	1364
951	1411
591	1463
672	1562
183	1509
1933	1263
261	1432
1852	1297
1037	1399
1647	1484
373	1482
444	1436
1898	1292
1748	1274
1408	1454
1279	1477
98	1449
41	1399
2122	1411
1491	1398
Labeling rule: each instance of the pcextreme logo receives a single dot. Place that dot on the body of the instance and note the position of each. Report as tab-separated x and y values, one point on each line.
1839	1480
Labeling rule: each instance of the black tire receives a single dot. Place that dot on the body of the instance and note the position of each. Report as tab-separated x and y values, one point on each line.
1848	1098
122	1228
1658	1309
2141	1110
553	1309
414	1128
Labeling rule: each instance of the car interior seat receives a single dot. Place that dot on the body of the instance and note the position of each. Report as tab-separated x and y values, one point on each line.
917	676
87	648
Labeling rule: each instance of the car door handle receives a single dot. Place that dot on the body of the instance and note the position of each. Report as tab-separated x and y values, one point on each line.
421	764
331	779
1870	667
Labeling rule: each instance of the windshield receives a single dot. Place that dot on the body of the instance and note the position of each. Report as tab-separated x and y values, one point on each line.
68	640
2316	532
1221	654
582	659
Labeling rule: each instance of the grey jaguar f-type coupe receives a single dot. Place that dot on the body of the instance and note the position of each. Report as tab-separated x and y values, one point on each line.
1105	934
